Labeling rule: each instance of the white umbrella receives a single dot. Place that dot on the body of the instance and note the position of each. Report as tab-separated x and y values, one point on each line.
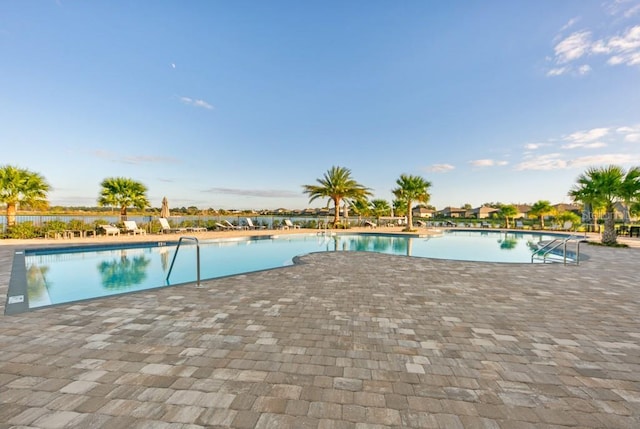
164	211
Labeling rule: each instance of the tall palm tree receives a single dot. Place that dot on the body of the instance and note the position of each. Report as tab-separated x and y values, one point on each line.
379	208
412	188
603	187
540	209
123	193
630	189
337	185
19	186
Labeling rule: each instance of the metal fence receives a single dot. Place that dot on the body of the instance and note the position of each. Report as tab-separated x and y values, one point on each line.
151	224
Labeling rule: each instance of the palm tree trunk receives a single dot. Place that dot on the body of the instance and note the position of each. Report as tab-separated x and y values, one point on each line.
609	235
541	221
123	213
409	217
336	218
11	214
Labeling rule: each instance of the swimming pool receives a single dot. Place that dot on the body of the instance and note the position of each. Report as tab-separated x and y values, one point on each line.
45	277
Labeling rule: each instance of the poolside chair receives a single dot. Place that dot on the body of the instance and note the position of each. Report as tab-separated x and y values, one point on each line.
132	228
370	224
164	223
110	229
519	224
567	226
252	226
288	224
230	225
221	226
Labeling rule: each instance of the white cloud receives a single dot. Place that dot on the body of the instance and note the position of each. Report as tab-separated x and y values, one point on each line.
632	138
611	158
622	48
534	146
197	103
558	71
573	47
584	69
630	134
440	168
550	161
593	145
487	163
587	136
570	23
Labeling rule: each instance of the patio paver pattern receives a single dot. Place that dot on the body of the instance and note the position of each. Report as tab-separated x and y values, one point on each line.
339	340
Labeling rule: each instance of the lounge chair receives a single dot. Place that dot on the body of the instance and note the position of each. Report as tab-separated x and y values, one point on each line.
221	226
567	226
370	224
164	223
132	228
288	224
519	224
230	225
252	226
110	229
421	223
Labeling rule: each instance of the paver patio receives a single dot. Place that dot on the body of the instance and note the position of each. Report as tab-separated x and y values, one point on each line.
340	340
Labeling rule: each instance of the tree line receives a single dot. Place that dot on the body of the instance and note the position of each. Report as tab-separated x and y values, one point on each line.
599	189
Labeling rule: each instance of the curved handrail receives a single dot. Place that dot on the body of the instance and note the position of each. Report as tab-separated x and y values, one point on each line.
549	247
186	237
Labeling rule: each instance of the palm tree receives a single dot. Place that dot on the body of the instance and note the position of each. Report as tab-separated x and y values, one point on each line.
508	211
360	207
603	187
540	209
337	185
123	192
379	208
19	186
412	188
630	189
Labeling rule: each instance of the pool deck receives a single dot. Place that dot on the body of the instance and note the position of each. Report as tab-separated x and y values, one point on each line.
339	340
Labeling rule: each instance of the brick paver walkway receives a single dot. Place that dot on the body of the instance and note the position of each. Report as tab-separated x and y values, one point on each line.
340	340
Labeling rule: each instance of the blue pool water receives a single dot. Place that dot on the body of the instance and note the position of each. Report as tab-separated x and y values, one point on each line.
66	275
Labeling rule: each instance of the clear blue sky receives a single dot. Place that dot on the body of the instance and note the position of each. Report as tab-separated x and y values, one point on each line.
237	104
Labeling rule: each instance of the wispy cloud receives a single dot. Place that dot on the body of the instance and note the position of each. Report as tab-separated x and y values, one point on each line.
195	102
570	23
622	48
551	161
535	146
573	47
263	193
594	145
587	136
440	168
630	134
555	161
487	163
134	159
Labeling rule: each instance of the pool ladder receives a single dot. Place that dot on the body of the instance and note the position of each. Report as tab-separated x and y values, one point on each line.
186	237
548	249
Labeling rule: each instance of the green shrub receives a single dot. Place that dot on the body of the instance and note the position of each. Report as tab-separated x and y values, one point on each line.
24	230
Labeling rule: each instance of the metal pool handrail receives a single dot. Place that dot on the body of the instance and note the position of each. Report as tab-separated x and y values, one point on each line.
186	237
548	248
